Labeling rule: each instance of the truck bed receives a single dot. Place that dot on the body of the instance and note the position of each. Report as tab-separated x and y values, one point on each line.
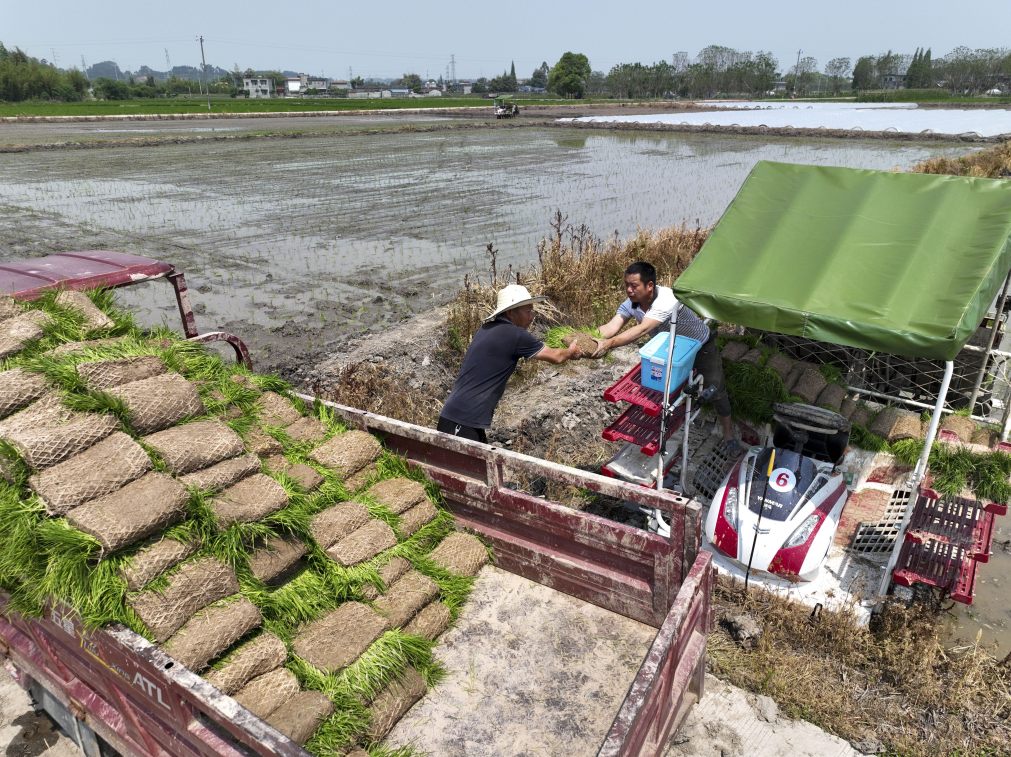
530	671
641	600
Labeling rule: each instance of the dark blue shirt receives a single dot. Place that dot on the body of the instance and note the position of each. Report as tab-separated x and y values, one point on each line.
490	360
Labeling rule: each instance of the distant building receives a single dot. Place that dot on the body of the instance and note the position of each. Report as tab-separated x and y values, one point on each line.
340	85
893	81
370	94
257	87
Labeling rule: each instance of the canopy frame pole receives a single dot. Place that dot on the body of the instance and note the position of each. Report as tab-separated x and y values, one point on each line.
989	346
917	476
666	407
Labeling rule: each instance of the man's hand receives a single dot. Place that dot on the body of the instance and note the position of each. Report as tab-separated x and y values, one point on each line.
603	347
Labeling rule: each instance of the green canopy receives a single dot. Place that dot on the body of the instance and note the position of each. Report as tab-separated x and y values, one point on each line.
898	262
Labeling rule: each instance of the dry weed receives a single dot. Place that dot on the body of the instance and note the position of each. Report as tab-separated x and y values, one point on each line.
581	274
370	387
991	163
895	684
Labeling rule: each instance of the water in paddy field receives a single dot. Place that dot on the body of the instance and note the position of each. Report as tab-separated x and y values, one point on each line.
313	211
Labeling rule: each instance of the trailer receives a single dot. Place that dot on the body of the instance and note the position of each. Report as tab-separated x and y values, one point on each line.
111	689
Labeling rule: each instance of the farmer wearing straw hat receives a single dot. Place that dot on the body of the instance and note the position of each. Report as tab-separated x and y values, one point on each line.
491	359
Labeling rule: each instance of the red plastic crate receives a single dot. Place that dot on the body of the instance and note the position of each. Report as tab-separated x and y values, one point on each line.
939	564
635	426
629	388
955	520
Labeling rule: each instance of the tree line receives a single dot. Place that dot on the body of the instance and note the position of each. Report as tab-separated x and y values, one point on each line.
26	78
716	71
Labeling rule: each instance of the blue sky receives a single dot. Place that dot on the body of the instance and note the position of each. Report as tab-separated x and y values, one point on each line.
395	37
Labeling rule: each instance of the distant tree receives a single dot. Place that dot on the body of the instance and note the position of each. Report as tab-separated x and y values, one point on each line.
513	84
539	78
25	78
357	82
837	70
480	87
888	64
596	85
411	81
864	74
803	75
569	76
920	73
110	89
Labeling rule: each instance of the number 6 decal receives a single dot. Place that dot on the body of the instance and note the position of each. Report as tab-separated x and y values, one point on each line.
783	480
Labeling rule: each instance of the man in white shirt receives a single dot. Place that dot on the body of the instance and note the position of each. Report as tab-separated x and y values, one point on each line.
652	307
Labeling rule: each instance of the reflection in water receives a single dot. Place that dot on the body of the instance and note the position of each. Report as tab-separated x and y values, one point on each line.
571	141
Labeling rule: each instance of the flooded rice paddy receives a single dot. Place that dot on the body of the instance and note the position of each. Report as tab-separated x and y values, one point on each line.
297	244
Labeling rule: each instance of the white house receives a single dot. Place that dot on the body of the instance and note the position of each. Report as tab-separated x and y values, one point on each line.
257	87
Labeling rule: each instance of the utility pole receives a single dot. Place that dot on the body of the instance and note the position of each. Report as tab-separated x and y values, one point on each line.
203	72
796	74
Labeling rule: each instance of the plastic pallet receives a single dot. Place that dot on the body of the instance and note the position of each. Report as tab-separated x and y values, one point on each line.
934	563
957	520
635	426
630	464
629	389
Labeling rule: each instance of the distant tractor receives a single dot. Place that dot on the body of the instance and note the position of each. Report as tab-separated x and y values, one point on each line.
505	107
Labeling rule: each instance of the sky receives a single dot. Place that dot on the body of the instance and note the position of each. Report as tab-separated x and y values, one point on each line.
396	37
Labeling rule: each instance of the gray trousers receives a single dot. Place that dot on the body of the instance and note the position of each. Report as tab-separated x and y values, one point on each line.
709	363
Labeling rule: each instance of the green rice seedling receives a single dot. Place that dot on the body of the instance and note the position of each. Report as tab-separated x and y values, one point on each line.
990	478
385	659
753	390
377	511
270	383
21	562
861	437
232	546
200	516
831	373
105	300
93	401
338	733
304	598
62	371
950	469
907	451
555	336
15	469
75	574
329	417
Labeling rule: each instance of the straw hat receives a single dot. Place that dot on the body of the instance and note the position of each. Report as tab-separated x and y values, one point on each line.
512	296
